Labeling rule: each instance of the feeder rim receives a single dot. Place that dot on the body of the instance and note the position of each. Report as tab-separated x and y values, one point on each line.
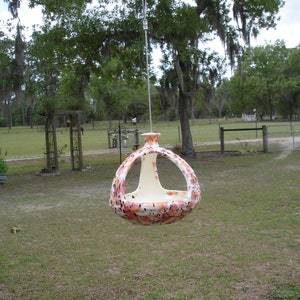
151	134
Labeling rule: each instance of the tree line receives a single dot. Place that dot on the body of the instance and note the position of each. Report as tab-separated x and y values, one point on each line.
90	56
268	81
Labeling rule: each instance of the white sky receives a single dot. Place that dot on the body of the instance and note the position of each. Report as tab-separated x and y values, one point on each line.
287	28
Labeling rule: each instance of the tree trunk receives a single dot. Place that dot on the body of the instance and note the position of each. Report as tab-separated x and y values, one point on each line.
23	113
271	108
9	114
187	140
185	86
30	116
270	105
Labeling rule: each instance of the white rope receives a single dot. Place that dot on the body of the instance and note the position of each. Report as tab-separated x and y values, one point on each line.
145	27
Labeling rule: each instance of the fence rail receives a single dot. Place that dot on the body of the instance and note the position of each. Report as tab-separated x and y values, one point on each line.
274	136
264	136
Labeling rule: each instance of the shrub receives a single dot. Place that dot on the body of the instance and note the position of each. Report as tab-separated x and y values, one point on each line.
3	163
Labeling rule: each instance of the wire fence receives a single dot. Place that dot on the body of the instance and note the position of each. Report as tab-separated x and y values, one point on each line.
284	136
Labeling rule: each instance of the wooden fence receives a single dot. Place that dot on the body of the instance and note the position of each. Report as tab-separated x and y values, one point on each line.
264	136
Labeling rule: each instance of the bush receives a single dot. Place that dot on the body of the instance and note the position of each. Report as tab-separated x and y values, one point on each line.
3	163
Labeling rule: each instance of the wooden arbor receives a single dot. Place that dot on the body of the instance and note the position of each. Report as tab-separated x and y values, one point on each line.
52	153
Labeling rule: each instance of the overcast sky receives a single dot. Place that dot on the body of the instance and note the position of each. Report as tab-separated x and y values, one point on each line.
287	29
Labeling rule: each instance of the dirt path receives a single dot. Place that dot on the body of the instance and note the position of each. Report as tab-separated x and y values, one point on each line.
287	146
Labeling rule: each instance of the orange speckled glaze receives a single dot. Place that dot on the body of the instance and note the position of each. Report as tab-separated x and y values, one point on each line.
139	207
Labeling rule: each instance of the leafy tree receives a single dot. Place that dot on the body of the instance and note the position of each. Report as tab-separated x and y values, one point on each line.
222	98
180	29
46	65
248	92
256	81
113	93
168	95
268	62
288	85
80	45
13	6
119	98
6	56
210	78
86	38
17	62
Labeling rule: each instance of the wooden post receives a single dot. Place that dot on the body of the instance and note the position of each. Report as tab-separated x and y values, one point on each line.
55	144
48	147
71	141
265	139
108	139
222	139
120	143
79	154
136	139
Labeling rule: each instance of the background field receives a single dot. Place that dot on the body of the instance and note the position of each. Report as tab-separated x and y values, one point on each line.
23	141
241	242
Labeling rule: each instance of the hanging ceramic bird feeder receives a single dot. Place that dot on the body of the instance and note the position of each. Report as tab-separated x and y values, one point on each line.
150	203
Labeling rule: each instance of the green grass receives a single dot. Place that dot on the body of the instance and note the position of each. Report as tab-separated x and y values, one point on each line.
23	141
242	242
286	291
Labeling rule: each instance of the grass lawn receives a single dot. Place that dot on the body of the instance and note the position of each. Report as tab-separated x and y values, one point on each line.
23	141
241	242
